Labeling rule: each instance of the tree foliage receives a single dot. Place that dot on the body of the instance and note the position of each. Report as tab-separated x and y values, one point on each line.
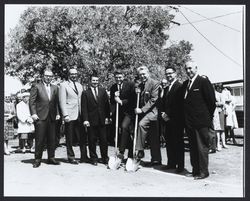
100	38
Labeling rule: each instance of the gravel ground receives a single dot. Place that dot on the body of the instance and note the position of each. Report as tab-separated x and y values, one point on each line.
20	179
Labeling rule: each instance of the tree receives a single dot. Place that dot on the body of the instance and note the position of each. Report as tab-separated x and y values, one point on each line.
100	38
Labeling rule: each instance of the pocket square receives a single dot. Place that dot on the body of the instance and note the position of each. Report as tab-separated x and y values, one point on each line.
196	89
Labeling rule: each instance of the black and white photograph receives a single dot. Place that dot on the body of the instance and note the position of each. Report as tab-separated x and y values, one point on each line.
124	100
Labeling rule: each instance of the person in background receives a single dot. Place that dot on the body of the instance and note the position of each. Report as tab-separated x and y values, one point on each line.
95	116
44	112
199	106
230	116
219	118
9	113
25	122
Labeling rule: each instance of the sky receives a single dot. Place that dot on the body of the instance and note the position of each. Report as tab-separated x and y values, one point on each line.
217	43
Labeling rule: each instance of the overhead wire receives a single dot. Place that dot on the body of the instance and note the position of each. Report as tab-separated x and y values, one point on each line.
209	40
211	19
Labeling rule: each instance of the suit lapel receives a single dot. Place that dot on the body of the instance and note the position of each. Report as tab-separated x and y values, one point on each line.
44	90
71	85
92	95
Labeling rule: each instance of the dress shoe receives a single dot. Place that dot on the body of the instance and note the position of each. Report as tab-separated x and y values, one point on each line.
190	174
179	170
212	151
201	176
73	161
52	161
105	161
36	164
93	162
168	167
120	156
152	163
140	154
84	160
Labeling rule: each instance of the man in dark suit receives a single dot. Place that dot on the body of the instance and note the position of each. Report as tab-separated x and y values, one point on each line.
199	106
148	112
44	110
70	93
123	93
172	114
96	113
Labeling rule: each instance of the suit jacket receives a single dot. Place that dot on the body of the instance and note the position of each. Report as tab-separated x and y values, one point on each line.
199	104
70	99
172	103
127	96
40	103
148	98
95	111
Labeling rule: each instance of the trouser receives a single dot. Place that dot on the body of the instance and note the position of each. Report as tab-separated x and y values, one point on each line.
75	128
45	129
199	147
174	144
95	132
143	131
126	141
212	137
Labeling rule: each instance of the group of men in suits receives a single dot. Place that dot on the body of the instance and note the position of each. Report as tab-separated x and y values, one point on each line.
86	113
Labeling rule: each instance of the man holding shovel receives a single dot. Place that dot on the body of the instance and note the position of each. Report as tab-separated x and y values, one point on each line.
148	112
123	94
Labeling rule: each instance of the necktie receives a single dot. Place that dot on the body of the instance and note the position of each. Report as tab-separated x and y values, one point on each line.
119	87
96	94
188	88
48	90
75	88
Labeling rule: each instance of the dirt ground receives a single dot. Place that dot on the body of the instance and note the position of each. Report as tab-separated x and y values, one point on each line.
20	179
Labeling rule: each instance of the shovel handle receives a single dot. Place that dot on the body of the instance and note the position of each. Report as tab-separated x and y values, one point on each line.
116	126
136	120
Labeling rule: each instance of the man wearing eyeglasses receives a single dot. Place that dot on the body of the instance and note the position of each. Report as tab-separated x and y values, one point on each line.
44	110
172	114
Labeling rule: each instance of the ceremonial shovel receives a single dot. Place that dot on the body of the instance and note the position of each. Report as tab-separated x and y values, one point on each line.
115	162
132	165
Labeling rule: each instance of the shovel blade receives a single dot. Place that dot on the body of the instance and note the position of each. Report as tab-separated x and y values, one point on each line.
114	163
132	165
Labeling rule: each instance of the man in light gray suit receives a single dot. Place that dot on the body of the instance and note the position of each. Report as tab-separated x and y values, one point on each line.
70	102
148	113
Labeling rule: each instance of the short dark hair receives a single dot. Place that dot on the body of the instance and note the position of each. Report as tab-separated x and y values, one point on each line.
118	72
93	74
170	67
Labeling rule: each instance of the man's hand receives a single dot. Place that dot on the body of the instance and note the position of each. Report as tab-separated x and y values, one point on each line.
117	94
66	118
107	121
138	111
164	116
86	124
35	117
118	100
58	117
29	120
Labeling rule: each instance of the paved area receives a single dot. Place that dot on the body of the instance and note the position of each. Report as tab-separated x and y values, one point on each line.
20	179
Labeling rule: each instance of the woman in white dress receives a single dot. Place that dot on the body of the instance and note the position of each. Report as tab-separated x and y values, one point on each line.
231	120
219	119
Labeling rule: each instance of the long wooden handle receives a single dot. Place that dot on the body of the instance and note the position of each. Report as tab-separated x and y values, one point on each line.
116	126
136	123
